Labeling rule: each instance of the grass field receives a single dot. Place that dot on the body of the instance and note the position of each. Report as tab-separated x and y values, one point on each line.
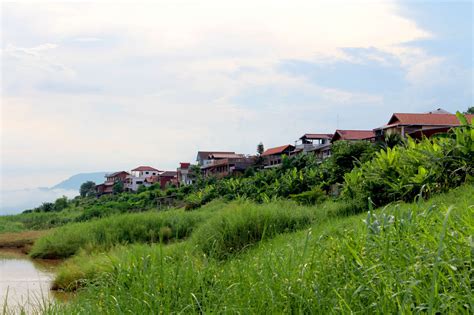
404	258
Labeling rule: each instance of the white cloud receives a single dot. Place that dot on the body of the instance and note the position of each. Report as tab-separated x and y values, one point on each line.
104	85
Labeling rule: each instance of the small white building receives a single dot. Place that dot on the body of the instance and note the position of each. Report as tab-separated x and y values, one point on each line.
138	175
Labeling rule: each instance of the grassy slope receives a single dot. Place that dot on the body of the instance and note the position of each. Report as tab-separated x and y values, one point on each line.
404	258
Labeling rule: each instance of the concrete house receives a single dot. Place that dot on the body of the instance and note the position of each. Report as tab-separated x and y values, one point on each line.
272	157
138	175
203	157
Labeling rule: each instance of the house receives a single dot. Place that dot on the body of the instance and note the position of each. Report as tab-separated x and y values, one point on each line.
272	157
138	175
167	177
184	174
353	135
203	159
110	180
221	164
232	165
317	143
419	125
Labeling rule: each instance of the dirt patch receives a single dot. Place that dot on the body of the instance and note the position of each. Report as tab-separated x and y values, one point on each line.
21	241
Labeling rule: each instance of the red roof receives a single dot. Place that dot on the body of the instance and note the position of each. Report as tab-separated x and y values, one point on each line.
353	134
184	165
426	119
278	150
313	136
145	168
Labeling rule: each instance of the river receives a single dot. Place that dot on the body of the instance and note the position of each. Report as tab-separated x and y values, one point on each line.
24	283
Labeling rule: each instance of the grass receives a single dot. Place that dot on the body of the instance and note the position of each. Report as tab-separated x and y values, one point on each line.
118	229
405	258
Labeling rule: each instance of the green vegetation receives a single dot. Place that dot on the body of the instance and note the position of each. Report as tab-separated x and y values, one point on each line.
416	169
404	258
278	240
119	229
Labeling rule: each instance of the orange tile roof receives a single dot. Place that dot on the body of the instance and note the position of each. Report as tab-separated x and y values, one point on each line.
277	150
354	134
426	119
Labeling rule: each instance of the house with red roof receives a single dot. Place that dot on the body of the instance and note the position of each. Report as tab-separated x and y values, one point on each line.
272	157
106	188
419	125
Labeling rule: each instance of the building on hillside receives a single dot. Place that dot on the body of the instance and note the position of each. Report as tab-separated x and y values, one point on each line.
110	180
138	175
316	143
203	157
168	178
232	165
419	125
184	174
272	157
353	135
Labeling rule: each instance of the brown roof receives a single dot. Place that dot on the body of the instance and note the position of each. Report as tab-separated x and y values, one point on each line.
353	134
426	119
169	174
312	136
278	150
204	155
144	168
116	173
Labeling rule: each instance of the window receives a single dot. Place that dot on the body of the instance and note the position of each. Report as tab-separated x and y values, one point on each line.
146	172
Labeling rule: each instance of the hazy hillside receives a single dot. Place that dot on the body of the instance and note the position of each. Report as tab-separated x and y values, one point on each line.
75	181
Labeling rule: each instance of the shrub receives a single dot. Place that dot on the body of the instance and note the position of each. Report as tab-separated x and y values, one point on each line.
311	197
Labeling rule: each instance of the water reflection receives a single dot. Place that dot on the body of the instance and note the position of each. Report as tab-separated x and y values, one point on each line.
24	283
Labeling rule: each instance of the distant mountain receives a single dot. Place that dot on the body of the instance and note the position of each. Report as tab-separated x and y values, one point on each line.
74	182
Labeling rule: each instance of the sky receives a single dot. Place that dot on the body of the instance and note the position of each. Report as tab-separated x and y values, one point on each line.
109	85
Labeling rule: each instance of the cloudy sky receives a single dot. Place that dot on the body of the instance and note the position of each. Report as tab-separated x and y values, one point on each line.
93	86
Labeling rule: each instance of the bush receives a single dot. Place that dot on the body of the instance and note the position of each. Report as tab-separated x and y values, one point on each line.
311	197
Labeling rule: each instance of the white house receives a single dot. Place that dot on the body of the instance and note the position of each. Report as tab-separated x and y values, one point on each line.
138	175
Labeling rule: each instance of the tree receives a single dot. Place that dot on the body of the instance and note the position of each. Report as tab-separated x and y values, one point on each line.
118	188
87	189
60	203
259	159
470	110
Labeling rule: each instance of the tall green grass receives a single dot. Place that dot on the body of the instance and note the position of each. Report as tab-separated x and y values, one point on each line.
405	258
242	224
118	229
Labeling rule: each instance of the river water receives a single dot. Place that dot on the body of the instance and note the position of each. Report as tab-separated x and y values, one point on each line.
24	283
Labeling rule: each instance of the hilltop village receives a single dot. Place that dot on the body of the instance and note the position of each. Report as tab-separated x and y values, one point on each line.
221	164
